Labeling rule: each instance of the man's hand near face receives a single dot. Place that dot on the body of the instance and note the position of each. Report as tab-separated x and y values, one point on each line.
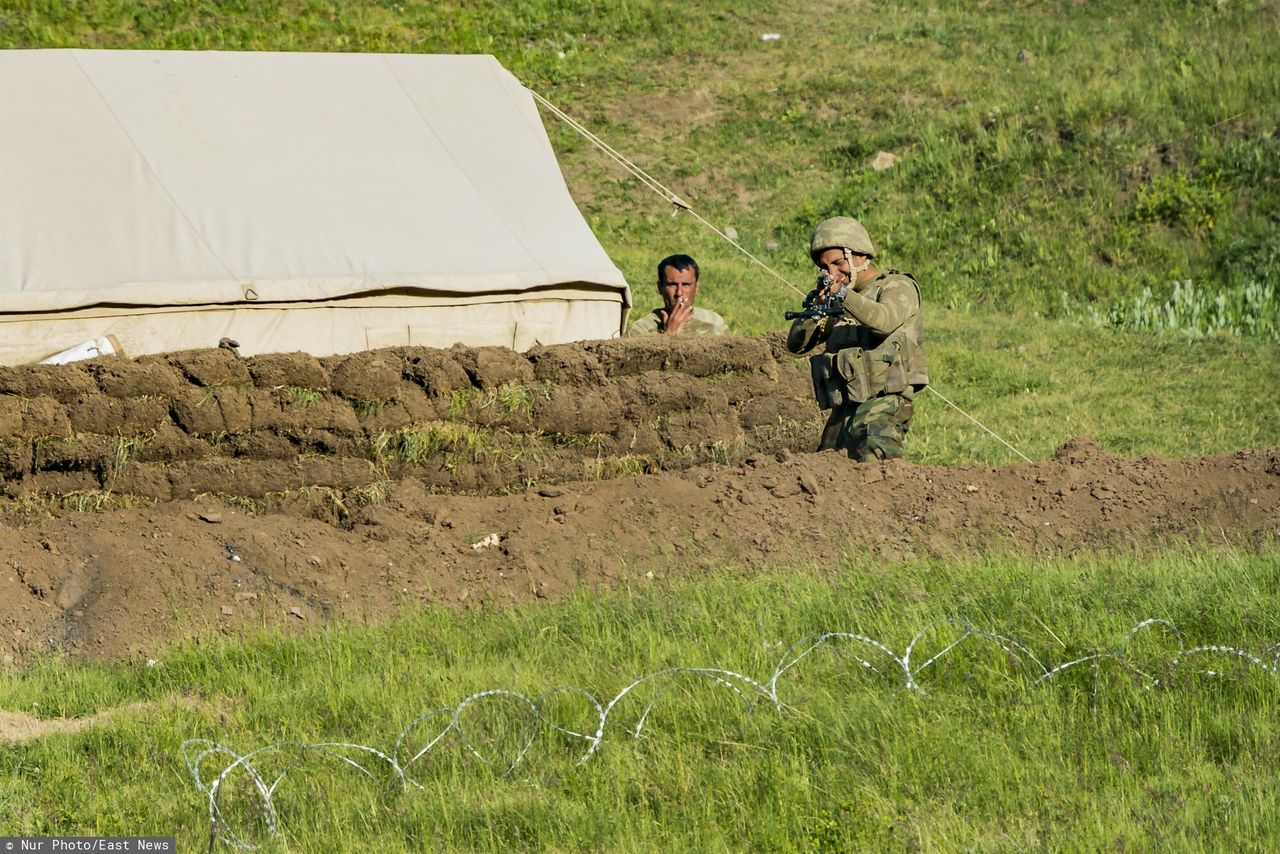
673	321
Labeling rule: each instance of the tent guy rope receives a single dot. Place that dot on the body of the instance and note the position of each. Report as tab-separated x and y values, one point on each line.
654	184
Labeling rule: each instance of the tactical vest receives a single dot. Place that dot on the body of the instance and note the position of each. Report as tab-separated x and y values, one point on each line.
860	364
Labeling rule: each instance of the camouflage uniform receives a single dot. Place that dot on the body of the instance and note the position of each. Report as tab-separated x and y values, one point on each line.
703	322
872	366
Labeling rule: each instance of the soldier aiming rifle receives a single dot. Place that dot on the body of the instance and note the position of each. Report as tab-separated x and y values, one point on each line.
831	306
873	362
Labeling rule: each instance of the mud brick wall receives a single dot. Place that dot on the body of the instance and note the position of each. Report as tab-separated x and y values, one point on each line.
474	420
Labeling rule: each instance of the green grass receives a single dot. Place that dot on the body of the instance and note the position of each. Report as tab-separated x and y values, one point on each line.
984	760
1039	382
416	445
515	398
1248	311
301	396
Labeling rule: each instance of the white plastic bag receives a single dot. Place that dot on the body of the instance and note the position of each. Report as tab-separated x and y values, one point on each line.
91	349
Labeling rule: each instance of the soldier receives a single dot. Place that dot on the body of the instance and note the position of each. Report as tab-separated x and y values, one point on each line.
874	362
678	286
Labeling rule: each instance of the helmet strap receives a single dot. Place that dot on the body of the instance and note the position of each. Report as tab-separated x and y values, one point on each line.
856	270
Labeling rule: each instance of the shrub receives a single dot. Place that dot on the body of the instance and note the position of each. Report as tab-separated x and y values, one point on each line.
1251	311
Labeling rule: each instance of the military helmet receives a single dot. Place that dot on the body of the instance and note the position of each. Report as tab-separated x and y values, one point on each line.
843	232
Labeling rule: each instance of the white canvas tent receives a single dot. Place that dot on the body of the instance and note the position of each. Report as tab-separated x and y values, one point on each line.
318	202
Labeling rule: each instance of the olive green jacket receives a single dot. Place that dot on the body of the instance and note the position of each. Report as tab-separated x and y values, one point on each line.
704	322
883	317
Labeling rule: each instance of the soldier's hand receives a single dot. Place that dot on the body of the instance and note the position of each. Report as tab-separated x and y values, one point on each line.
676	318
826	287
833	285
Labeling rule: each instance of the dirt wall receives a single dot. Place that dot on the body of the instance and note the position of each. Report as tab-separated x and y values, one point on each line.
468	420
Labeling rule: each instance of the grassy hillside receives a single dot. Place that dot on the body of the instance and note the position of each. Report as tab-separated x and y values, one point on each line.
1051	154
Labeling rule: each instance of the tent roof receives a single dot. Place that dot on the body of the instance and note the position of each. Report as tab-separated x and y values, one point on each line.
196	178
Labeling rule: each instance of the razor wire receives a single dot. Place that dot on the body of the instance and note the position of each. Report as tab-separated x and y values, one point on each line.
212	780
680	204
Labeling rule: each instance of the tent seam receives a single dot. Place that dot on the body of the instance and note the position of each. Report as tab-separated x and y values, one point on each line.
465	173
152	169
535	123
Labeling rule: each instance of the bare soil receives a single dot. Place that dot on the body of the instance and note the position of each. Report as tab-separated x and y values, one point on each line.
287	491
18	727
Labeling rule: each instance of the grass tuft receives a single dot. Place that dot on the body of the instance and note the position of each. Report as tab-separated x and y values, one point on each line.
1248	311
302	396
440	439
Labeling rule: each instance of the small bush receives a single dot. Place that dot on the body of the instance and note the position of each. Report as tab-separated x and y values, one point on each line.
1176	200
302	396
1253	256
365	408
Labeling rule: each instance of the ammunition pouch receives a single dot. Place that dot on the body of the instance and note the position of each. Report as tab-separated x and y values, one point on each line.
853	375
828	386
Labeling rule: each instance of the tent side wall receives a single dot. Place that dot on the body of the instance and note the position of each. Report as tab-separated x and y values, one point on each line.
554	315
172	198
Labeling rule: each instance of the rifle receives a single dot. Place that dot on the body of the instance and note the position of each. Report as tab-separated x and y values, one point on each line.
831	306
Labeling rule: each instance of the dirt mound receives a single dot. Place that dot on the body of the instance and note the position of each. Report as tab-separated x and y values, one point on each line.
288	490
480	420
123	582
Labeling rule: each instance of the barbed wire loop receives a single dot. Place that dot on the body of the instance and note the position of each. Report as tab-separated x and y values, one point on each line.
535	715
